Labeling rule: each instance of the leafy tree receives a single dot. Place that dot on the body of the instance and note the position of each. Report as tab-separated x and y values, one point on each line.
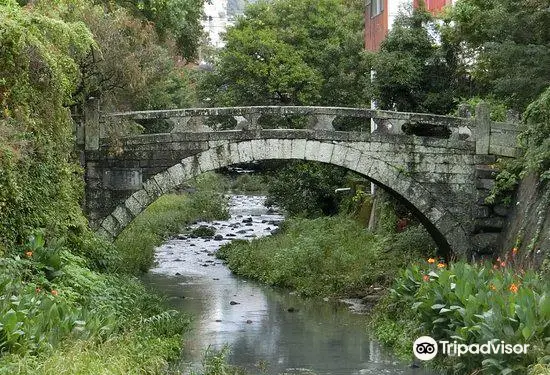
417	68
292	52
172	19
307	188
129	67
508	42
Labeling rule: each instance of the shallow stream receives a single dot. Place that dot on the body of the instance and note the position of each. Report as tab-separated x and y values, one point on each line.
267	329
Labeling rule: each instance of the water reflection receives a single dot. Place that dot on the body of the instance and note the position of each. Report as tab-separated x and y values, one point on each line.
254	319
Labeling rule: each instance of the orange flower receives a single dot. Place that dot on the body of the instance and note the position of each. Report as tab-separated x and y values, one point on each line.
441	265
514	251
492	287
426	278
431	260
28	254
54	292
513	288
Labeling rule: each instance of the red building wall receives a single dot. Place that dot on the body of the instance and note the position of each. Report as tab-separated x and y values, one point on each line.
376	28
434	6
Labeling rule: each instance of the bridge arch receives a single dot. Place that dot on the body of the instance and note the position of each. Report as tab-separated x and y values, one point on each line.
433	210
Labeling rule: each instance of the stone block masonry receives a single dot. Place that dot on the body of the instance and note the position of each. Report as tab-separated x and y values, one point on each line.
444	180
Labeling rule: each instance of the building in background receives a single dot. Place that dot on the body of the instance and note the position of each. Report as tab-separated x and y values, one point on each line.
219	15
380	14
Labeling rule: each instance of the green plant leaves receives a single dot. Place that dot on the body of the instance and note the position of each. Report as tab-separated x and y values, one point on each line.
476	304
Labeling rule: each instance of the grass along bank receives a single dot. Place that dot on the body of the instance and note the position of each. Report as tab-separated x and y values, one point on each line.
327	256
58	316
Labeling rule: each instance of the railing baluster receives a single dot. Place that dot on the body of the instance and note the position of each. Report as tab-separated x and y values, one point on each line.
324	122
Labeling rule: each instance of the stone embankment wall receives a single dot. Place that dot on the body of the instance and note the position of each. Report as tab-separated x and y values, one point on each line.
528	225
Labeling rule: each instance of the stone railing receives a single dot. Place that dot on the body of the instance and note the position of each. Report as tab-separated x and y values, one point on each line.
315	118
490	137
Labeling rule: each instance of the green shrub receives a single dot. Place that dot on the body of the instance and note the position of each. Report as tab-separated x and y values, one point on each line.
307	188
250	183
215	363
203	231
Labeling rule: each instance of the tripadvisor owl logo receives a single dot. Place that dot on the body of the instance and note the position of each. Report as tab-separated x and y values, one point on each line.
425	348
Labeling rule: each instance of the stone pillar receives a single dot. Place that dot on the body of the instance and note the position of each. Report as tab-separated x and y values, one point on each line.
483	128
91	125
252	122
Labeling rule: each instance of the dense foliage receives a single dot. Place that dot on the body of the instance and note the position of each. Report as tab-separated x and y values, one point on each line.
292	52
507	41
536	136
476	48
59	311
173	19
307	188
471	304
39	185
131	66
417	67
52	301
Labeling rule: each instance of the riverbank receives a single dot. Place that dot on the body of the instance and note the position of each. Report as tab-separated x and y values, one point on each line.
60	317
67	314
326	257
470	303
268	330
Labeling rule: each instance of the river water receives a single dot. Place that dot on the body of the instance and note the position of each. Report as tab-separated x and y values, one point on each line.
266	329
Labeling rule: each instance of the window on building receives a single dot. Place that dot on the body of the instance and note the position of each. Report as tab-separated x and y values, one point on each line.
376	7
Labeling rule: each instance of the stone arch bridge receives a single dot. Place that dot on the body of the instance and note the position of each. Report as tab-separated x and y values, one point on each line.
441	166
